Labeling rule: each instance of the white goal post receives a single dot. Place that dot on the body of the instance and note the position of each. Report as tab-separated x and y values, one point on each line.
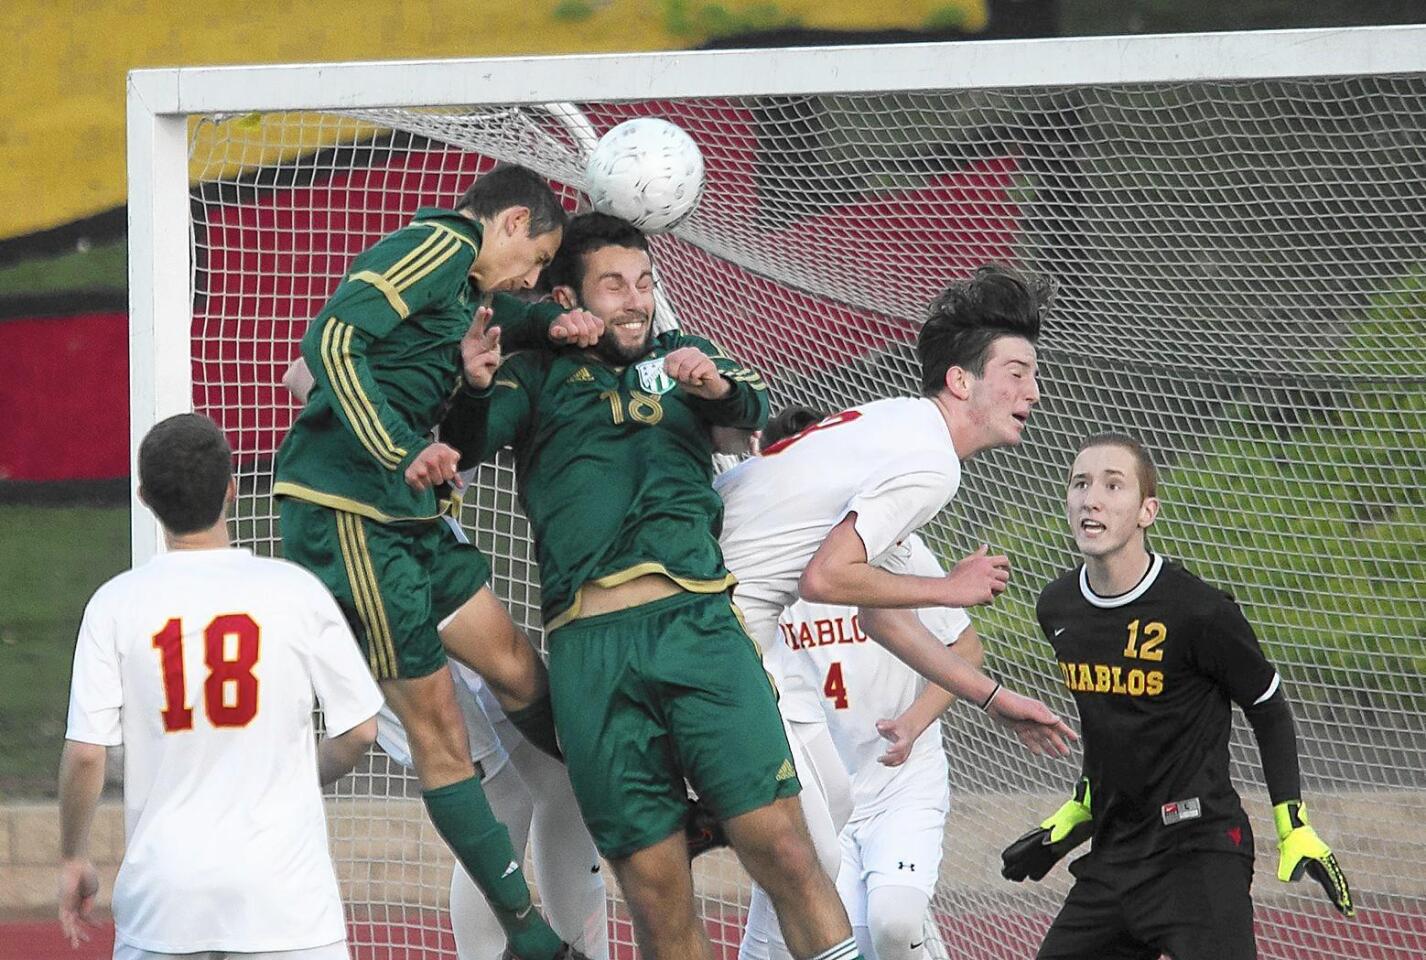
1238	225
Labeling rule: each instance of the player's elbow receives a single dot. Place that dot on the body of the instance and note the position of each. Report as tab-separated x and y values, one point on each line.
876	623
818	583
363	735
732	441
298	380
970	648
83	756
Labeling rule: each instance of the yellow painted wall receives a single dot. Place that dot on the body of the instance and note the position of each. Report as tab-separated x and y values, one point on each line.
63	62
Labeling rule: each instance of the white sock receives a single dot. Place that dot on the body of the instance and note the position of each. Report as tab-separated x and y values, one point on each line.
568	871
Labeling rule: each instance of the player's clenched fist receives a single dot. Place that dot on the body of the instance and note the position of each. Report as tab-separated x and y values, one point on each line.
577	328
694	371
433	466
977	579
480	352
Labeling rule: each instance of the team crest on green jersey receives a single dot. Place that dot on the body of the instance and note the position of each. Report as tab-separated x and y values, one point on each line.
653	378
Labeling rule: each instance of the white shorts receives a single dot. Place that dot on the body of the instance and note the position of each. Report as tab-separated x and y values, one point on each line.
895	848
330	951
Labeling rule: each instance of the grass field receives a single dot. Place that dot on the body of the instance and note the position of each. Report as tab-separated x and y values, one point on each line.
51	560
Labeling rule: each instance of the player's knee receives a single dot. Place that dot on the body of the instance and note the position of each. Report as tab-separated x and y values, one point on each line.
434	725
896	938
664	920
896	918
795	859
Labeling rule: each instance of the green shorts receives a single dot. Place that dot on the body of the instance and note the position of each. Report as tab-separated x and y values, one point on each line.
646	697
395	582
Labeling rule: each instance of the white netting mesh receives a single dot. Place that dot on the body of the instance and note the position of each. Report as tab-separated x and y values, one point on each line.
1243	285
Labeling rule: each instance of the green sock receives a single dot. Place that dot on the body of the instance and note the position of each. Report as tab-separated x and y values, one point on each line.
537	724
463	818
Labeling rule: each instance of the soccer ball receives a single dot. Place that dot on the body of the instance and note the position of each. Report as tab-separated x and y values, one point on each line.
646	171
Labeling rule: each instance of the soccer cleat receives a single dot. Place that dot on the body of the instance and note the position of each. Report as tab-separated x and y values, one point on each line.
1301	850
702	831
1037	851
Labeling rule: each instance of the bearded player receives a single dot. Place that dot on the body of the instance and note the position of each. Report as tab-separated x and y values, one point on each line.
653	678
816	513
1154	657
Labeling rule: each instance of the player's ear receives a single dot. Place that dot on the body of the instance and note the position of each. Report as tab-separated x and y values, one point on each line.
958	381
516	222
1148	512
232	495
143	499
565	297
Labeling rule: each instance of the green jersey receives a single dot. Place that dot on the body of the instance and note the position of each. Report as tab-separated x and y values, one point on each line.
614	464
385	356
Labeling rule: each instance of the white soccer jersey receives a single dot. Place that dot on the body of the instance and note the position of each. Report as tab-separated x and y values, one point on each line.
890	461
206	665
861	682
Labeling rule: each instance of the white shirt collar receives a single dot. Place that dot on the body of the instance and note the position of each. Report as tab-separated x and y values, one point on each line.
1156	564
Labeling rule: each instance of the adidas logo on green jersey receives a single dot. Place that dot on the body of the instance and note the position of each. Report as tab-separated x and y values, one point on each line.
582	375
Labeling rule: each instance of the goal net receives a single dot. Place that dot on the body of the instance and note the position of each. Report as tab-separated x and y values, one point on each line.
1242	269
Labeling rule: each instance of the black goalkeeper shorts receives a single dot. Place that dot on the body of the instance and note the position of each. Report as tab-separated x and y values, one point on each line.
1190	906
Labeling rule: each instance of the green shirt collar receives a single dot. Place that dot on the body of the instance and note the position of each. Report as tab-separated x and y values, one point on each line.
452	219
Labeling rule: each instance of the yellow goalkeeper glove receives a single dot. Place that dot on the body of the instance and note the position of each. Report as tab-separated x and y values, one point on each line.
1037	851
1301	849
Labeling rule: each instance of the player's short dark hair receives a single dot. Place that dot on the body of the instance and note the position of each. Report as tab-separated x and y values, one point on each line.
970	315
185	464
585	234
1143	462
788	421
511	185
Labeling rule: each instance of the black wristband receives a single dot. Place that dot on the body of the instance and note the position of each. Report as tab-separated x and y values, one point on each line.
986	704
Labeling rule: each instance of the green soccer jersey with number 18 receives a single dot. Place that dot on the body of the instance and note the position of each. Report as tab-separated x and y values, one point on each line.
614	464
384	353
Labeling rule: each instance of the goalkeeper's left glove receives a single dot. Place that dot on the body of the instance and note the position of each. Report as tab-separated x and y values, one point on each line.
1301	849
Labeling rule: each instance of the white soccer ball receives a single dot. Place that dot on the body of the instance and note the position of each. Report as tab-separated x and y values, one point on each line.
647	171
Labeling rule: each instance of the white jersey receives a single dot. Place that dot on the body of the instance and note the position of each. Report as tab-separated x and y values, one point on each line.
206	666
890	461
861	682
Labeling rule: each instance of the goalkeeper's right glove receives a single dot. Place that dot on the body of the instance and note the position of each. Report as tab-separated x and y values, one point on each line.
1037	851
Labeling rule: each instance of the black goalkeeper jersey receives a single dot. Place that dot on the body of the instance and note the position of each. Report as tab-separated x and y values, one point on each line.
1153	672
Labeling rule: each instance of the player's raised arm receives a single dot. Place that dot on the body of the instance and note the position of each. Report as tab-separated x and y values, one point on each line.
726	393
480	423
840	572
535	326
